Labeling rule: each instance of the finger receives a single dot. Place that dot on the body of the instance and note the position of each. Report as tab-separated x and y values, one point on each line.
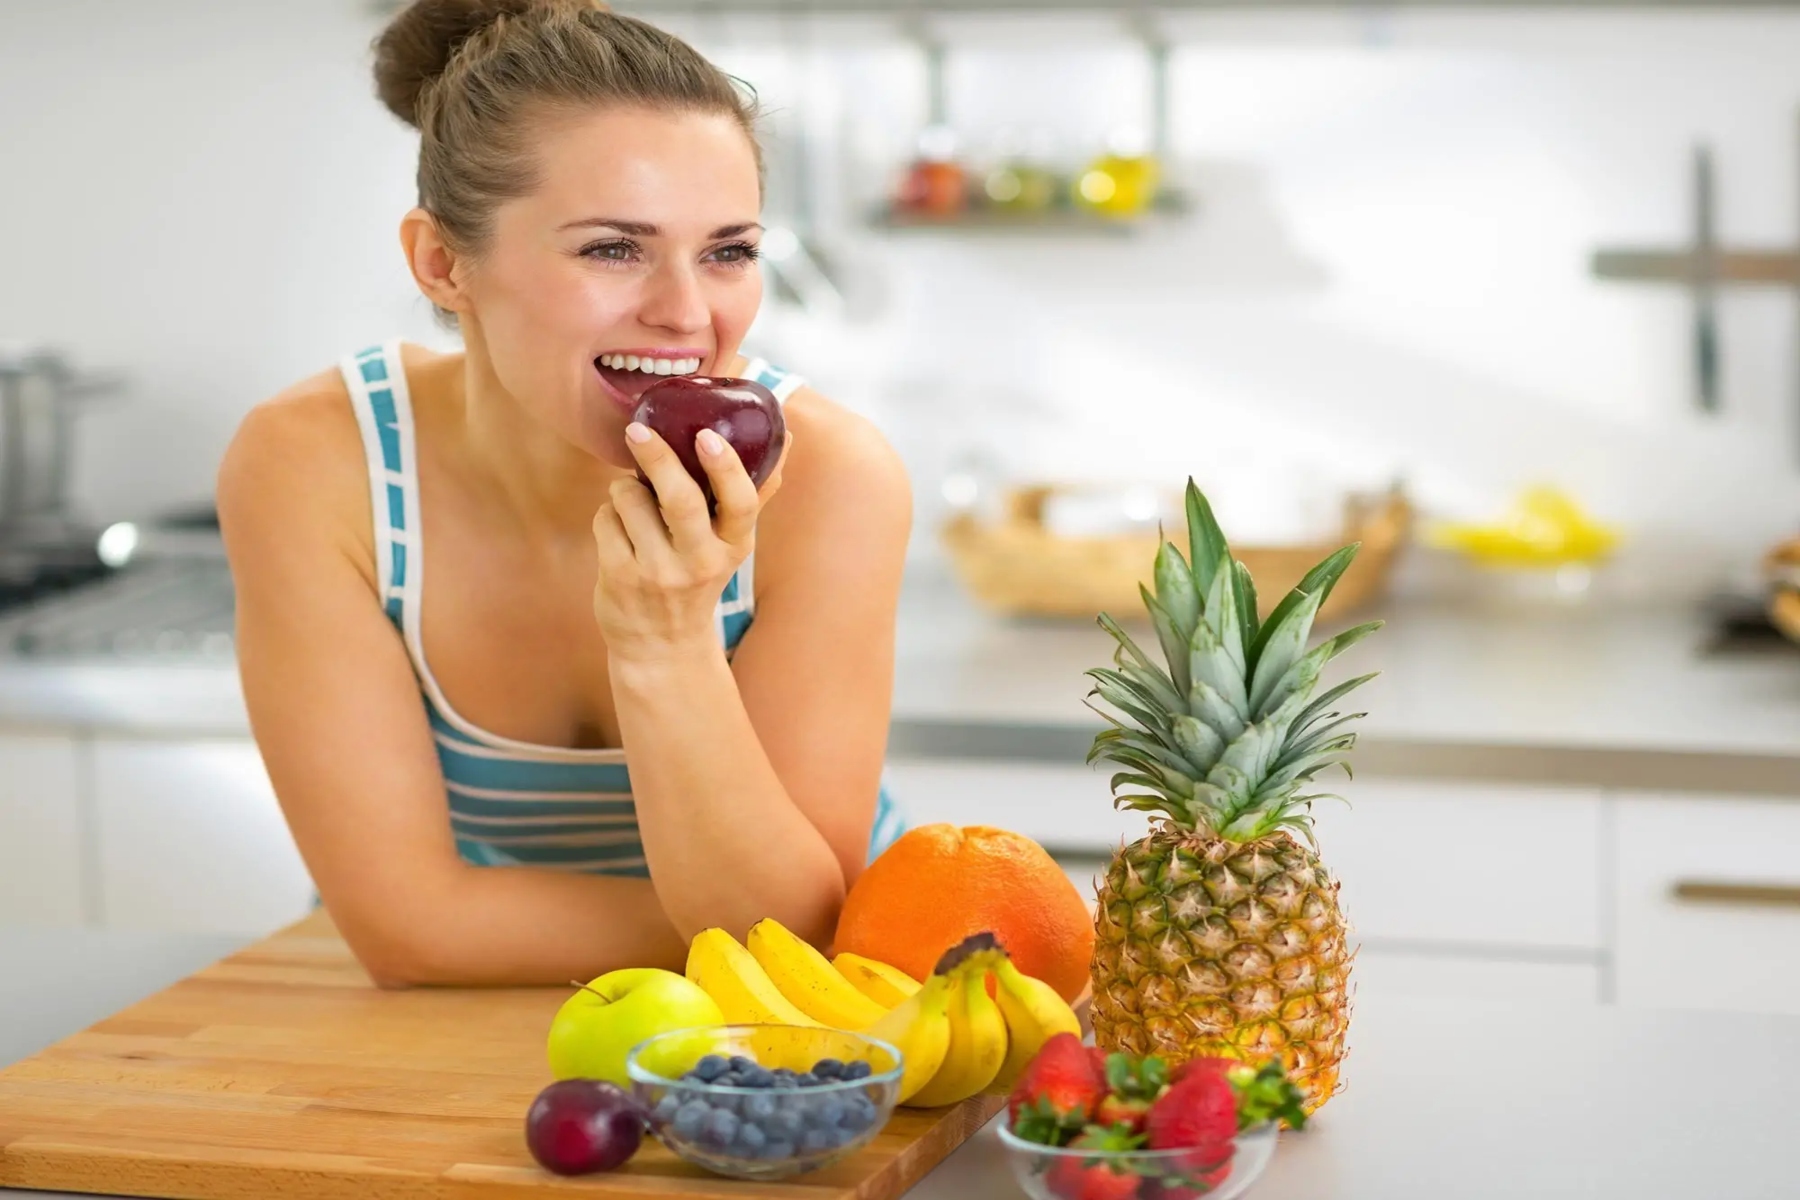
611	541
680	498
731	485
643	522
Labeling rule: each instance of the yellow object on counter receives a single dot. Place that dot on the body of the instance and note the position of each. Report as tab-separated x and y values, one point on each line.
1544	528
1117	185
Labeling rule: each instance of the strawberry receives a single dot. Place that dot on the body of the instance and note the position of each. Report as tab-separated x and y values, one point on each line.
1193	1066
1199	1114
1133	1085
1058	1093
1078	1178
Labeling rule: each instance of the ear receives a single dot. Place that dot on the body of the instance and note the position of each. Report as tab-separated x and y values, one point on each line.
435	266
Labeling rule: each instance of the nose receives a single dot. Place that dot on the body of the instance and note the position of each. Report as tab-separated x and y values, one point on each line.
674	300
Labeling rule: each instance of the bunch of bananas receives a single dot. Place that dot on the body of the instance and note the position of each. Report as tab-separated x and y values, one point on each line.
955	1040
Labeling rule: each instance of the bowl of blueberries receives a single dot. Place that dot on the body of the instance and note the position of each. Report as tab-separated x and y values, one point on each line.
764	1101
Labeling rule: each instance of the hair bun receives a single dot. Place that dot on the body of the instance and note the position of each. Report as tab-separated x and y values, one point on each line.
419	43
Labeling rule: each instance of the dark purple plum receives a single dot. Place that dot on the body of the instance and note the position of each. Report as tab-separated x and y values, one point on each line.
742	411
577	1126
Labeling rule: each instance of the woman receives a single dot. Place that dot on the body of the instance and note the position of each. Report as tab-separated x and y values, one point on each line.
451	757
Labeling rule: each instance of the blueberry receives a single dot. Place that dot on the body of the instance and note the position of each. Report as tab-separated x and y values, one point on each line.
667	1107
757	1077
730	1079
828	1068
808	1080
720	1127
740	1064
750	1141
784	1077
858	1070
828	1112
759	1108
775	1151
708	1069
690	1118
816	1141
859	1113
788	1123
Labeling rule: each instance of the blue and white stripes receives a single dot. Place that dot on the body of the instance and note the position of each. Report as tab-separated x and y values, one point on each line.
512	802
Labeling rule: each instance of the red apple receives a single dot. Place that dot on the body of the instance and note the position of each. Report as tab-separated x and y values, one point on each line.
742	411
580	1125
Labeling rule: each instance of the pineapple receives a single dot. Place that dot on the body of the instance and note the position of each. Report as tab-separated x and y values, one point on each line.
1220	932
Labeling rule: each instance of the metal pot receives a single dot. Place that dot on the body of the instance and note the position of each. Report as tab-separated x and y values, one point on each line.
39	396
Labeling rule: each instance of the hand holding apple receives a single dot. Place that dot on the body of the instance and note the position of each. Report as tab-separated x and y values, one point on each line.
595	1028
742	411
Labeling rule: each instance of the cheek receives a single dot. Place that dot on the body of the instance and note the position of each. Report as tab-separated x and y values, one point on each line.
735	310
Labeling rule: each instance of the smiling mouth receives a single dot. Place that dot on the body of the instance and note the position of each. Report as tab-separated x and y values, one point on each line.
632	375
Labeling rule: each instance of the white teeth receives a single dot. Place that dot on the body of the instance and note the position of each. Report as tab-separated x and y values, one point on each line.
651	366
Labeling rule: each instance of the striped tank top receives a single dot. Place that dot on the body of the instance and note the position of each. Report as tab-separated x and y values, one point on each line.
516	803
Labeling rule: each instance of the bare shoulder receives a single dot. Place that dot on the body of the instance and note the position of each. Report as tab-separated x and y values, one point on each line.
844	496
295	470
839	457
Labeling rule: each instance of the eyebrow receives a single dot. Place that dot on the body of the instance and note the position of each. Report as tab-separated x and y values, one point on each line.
644	229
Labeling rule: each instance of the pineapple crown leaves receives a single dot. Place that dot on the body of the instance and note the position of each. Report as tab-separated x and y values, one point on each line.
1224	732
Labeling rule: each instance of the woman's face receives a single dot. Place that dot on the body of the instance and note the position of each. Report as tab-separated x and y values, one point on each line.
638	244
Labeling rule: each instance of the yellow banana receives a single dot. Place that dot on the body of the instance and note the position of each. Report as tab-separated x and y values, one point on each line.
919	1027
1034	1013
808	979
730	974
885	985
977	1041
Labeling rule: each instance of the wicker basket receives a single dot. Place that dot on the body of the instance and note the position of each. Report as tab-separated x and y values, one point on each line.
1017	566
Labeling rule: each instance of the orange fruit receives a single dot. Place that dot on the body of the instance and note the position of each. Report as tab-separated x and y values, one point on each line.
938	884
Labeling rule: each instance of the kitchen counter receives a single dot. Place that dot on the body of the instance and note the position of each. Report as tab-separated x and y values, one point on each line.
1604	697
1442	1100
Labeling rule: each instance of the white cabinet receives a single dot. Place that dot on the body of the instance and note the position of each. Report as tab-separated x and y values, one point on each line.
42	876
1449	863
1379	973
1709	903
190	838
1063	807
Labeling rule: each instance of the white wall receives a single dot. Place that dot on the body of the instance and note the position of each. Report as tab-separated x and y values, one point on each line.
1388	275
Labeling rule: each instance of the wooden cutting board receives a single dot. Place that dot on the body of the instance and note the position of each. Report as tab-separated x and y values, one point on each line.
282	1071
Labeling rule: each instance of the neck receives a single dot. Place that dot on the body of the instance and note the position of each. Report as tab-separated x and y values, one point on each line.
545	482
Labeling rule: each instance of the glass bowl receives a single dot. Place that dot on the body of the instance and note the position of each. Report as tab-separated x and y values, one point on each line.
785	1120
1054	1172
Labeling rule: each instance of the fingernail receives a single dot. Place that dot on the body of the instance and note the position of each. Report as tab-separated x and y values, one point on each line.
711	443
638	432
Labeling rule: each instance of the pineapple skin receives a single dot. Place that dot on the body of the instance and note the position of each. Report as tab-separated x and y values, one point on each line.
1206	947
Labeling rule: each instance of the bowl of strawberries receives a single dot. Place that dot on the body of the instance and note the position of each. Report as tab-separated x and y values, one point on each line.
1085	1125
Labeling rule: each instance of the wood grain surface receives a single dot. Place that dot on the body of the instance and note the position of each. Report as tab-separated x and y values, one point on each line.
282	1071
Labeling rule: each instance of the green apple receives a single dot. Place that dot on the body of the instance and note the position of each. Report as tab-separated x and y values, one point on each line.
595	1027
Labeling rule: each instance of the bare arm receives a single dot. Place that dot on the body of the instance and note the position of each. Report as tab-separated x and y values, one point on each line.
336	711
757	781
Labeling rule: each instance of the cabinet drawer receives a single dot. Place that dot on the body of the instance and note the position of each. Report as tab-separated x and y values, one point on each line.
1455	862
1709	903
41	868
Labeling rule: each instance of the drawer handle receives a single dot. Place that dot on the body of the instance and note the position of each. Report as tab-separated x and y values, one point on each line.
1751	895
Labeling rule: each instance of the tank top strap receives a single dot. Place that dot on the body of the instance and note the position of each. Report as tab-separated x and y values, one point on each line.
781	382
376	381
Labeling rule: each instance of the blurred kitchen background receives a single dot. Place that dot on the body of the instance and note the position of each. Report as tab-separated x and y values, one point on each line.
1507	292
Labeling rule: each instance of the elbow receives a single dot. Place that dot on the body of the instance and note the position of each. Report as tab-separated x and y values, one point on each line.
396	959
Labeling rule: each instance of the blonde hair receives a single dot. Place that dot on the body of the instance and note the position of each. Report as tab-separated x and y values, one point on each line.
471	76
